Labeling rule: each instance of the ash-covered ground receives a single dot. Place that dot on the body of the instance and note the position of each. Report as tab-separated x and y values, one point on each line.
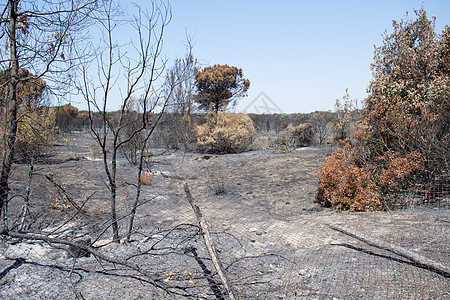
272	238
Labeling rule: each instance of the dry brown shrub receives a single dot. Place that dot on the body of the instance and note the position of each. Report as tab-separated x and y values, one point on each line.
402	145
36	121
36	133
301	135
396	176
294	137
66	116
344	185
146	178
225	133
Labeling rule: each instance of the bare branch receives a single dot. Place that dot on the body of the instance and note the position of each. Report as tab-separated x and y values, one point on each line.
414	257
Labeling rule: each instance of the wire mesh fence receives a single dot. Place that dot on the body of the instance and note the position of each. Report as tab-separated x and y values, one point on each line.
274	242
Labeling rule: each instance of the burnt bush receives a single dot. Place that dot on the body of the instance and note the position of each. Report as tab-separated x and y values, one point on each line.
65	117
300	136
178	131
36	133
401	146
346	186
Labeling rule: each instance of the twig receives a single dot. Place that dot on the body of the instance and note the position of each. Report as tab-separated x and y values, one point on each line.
63	192
28	193
78	295
73	217
414	257
88	249
209	242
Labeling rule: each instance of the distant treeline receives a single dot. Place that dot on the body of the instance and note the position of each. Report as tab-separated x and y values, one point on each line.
323	127
69	118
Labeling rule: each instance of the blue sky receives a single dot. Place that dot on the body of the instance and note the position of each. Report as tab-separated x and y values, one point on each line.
301	54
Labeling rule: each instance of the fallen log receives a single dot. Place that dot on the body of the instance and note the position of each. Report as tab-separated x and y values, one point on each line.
412	256
209	242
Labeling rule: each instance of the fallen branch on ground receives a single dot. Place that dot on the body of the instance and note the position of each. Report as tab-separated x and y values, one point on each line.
64	193
412	256
209	242
88	249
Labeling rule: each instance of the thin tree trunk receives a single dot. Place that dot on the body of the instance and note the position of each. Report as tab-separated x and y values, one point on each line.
135	205
8	154
113	187
27	196
111	174
138	188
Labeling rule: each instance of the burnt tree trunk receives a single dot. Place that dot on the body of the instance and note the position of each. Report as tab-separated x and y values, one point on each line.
11	102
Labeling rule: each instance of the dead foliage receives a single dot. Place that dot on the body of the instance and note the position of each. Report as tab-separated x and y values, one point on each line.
225	133
402	143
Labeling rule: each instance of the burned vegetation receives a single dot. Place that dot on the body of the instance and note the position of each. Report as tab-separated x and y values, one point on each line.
172	196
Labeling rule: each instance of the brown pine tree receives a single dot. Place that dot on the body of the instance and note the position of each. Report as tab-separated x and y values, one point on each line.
219	85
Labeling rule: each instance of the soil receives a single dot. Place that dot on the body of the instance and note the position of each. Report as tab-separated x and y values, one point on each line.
271	237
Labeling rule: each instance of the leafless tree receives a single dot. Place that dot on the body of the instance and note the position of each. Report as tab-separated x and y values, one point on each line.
136	71
344	111
40	36
181	100
321	121
178	125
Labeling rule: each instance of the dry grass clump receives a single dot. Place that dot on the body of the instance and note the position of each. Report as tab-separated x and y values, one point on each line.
225	133
218	183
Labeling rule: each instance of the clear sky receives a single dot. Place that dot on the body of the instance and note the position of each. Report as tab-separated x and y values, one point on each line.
301	54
